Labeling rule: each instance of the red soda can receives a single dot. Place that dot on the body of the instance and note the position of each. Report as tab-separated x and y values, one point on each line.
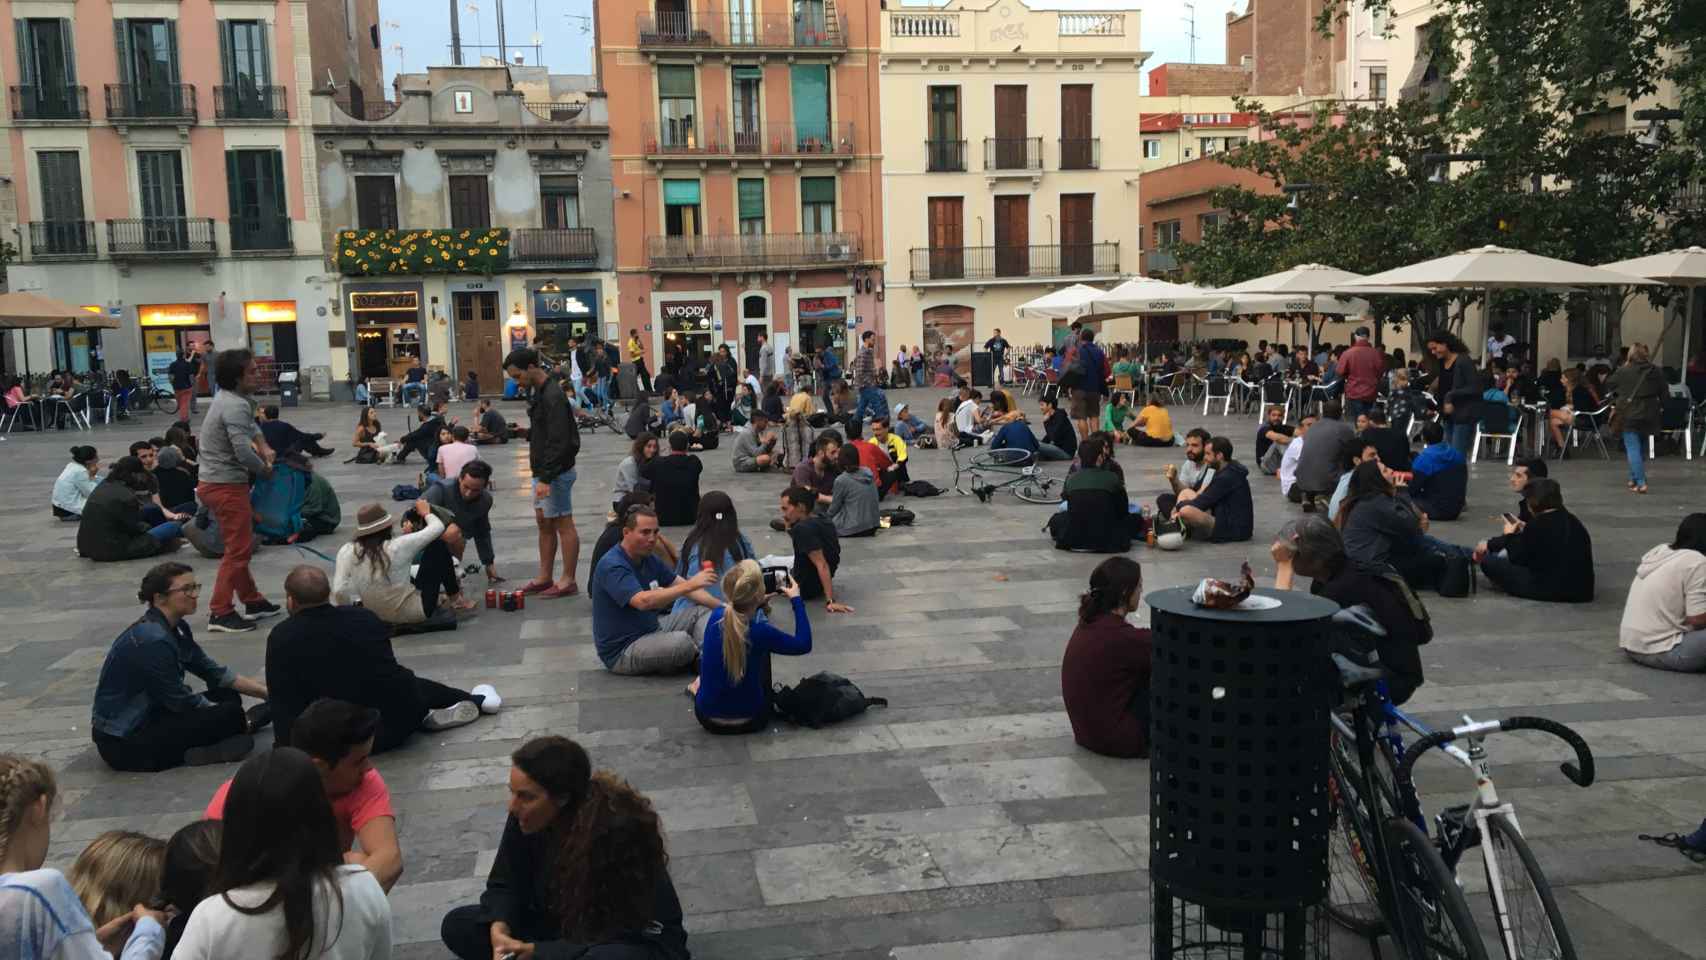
521	600
491	599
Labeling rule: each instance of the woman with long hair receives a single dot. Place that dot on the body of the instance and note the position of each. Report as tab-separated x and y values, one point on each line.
370	434
116	871
613	874
798	434
367	566
947	432
112	526
40	914
281	888
1383	532
1104	676
642	451
1577	399
716	540
192	856
1458	388
733	691
76	482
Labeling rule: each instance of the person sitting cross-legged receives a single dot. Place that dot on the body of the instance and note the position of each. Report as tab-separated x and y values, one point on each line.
344	653
1104	676
580	870
1060	439
1272	439
373	567
675	481
112	527
630	586
1322	461
1222	510
1194	475
1549	558
1664	617
894	475
145	717
338	737
1097	512
755	447
1439	476
817	549
733	693
1152	426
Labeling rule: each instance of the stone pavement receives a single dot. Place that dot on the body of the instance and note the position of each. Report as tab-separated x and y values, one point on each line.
961	821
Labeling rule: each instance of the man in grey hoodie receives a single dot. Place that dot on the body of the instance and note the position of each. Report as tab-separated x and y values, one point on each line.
755	447
233	454
853	503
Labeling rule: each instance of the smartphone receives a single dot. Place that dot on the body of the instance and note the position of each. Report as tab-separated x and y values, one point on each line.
1510	518
775	578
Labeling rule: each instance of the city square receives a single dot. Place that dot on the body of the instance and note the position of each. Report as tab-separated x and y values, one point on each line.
959	821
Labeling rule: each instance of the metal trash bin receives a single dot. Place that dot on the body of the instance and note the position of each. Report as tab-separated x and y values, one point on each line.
1239	819
289	391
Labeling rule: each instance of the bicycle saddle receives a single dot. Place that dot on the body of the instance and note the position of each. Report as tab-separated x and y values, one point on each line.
1359	619
1353	674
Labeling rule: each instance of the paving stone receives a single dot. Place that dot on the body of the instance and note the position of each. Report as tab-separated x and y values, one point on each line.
1032	852
1010	780
1112	943
851	868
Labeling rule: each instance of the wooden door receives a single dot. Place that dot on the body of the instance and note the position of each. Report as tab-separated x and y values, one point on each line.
1077	233
1076	140
947	238
1012	236
1010	127
479	341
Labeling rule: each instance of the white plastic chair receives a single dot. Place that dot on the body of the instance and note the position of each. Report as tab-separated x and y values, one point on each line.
1217	389
1495	424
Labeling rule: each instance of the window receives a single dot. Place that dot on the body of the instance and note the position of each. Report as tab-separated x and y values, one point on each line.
1377	20
751	201
376	203
942	143
677	108
810	91
148	67
1206	222
1232	142
47	71
160	177
1208	145
63	229
749	135
245	69
1377	84
1189	118
1166	234
469	209
255	183
560	202
1223	118
1151	148
817	204
681	208
1187	153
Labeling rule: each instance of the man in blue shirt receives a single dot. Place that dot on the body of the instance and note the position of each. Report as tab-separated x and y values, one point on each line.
1439	484
145	717
629	587
1017	435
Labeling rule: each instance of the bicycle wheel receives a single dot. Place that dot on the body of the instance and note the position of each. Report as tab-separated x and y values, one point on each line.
1039	489
1433	918
1531	923
166	402
1009	457
1353	892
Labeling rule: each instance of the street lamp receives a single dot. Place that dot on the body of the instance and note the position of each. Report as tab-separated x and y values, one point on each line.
1657	118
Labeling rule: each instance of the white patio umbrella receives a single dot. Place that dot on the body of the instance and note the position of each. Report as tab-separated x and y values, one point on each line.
1308	287
1685	268
1062	304
1496	268
1143	296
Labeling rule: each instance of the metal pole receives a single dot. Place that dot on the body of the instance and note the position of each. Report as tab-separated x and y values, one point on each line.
503	50
455	35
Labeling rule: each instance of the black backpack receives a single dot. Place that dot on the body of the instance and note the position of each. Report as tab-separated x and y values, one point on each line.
823	698
921	488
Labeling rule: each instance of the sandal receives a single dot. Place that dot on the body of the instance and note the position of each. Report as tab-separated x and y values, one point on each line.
1642	489
555	591
536	586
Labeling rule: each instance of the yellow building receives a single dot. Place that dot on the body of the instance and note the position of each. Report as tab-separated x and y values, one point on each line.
1010	164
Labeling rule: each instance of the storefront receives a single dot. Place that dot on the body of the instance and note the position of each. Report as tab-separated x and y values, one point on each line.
561	313
169	329
820	321
271	325
387	332
691	329
79	350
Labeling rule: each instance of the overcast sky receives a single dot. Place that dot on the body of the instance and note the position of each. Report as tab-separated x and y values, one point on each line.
422	29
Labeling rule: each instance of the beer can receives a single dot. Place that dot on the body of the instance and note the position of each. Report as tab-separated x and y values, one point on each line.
521	600
491	599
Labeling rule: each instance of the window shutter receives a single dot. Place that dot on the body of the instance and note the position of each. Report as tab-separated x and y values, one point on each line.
751	199
265	54
275	169
26	65
227	57
233	189
68	52
817	190
681	192
748	73
121	43
675	81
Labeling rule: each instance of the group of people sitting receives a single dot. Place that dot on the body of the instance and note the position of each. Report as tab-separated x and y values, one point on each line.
1208	498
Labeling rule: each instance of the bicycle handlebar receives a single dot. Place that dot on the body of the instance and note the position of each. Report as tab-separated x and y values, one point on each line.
1581	773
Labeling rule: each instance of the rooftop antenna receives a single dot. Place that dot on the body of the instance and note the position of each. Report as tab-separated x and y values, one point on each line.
1191	28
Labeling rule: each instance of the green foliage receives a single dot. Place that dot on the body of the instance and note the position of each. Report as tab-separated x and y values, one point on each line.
382	253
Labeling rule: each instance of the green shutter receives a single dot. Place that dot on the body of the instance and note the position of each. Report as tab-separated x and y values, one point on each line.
681	193
817	190
810	88
675	81
752	199
172	50
265	77
233	192
121	43
227	55
67	46
275	170
749	73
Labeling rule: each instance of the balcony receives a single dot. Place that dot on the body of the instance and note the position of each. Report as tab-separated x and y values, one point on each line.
979	264
945	156
1016	154
251	103
730	252
931	25
268	234
551	112
62	240
66	103
189	238
742	30
712	138
151	103
1082	154
547	247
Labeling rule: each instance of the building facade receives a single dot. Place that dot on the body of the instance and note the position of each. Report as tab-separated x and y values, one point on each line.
464	223
161	172
747	165
1010	164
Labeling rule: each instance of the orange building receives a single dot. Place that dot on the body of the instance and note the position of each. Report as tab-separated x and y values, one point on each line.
747	172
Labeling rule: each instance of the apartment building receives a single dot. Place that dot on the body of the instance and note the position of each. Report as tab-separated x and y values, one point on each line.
466	222
161	171
747	165
1179	129
1010	165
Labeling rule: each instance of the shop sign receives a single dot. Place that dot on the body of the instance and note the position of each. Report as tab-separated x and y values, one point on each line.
688	314
270	311
385	300
565	305
823	309
172	315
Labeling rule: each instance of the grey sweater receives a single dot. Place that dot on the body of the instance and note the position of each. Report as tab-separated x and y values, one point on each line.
748	449
853	504
227	440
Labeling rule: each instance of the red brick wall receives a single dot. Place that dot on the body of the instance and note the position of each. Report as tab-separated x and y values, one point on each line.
1288	52
1198	80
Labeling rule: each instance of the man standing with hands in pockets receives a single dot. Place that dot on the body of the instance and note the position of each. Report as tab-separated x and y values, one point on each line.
552	445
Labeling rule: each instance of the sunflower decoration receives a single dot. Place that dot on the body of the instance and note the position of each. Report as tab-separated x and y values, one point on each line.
393	252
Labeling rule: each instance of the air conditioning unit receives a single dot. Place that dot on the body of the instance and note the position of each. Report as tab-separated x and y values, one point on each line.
838	251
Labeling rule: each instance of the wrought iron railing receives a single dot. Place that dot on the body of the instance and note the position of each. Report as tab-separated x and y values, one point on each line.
710	136
543	246
50	103
1012	153
153	236
62	239
556	112
729	251
261	233
807	27
1015	262
251	103
945	156
155	101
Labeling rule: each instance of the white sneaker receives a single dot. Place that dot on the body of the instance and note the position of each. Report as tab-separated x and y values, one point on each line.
490	701
445	718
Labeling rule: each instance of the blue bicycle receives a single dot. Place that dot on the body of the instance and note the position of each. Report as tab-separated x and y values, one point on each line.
1388	874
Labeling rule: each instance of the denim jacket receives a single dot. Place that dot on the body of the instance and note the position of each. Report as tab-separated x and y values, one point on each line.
144	671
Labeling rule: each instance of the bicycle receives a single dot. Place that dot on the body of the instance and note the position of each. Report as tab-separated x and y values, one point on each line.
1018	467
1380	833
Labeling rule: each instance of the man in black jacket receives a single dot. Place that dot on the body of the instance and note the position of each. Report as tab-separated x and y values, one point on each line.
1548	558
1058	435
466	504
344	653
1222	510
552	445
